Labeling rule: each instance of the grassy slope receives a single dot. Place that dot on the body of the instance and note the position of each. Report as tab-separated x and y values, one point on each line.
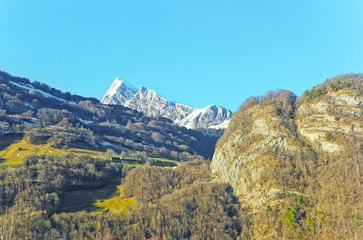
13	149
85	199
117	204
164	160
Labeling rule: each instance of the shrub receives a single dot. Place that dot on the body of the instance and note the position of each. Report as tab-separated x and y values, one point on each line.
327	136
290	217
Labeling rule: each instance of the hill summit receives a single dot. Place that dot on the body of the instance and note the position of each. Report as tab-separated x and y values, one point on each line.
296	163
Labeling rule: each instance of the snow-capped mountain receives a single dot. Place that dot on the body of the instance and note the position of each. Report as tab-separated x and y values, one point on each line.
152	104
208	117
119	93
149	102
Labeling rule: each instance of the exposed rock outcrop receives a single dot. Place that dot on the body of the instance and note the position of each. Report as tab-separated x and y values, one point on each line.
259	135
281	148
247	155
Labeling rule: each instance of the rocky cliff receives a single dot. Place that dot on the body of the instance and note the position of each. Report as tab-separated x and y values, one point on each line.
280	148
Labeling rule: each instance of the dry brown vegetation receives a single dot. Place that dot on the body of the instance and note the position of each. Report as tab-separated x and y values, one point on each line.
325	196
170	204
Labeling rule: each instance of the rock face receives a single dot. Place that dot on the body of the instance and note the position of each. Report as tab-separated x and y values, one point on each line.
210	116
149	102
266	136
329	123
119	93
248	154
152	104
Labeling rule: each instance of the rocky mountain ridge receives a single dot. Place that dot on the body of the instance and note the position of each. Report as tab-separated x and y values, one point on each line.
119	93
152	104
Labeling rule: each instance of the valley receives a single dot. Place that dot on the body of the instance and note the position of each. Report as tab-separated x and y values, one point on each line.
286	167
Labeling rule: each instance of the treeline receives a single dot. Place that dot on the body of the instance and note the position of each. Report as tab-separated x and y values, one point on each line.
347	81
45	88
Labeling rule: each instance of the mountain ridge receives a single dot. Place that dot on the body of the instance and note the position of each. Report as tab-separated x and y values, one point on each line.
152	104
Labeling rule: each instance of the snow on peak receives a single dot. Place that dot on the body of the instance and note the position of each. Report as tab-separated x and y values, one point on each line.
119	92
120	84
151	103
115	85
208	117
223	125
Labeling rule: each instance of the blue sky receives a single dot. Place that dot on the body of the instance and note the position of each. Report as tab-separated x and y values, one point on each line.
194	52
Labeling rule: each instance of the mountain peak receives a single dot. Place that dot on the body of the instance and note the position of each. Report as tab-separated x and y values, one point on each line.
119	93
143	89
151	103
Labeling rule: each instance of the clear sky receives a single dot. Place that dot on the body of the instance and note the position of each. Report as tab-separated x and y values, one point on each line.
194	52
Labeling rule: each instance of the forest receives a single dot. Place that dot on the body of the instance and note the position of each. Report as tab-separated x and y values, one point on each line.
178	203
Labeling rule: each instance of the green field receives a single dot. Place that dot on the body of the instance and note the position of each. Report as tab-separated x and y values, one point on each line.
13	148
117	204
164	159
163	162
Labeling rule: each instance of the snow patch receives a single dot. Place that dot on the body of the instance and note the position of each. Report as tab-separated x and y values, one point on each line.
40	92
105	144
223	125
86	122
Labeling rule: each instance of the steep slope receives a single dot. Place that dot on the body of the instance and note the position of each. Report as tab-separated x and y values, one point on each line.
289	159
152	104
332	122
119	93
249	153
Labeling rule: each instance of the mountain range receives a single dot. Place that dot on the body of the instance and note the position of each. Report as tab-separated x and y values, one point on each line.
286	167
152	104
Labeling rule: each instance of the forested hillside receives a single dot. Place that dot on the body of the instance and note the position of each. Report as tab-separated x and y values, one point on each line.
64	120
55	147
296	163
169	204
